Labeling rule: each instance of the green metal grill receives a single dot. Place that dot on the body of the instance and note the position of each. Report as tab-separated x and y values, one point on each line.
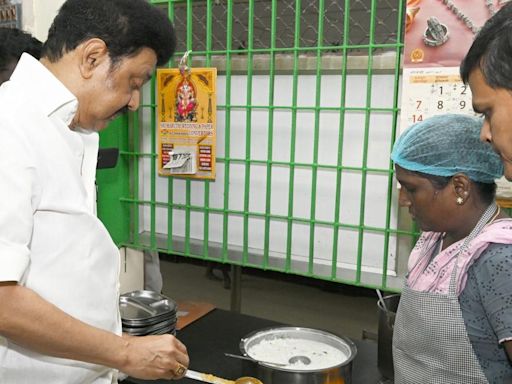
304	129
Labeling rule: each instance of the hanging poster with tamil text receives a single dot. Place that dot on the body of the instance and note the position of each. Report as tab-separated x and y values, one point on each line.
186	115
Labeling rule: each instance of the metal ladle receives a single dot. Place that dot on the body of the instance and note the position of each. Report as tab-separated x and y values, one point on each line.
208	378
300	359
253	360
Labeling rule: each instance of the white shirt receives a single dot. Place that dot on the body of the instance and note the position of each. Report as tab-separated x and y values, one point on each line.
50	239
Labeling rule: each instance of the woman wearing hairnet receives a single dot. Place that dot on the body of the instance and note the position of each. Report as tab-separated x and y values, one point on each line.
454	321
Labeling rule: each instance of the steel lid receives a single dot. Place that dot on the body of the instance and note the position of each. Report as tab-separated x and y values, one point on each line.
325	350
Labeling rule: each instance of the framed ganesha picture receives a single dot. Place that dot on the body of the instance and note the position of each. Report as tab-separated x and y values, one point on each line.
186	115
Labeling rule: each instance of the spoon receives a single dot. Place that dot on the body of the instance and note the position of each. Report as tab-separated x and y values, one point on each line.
381	299
300	359
253	360
208	378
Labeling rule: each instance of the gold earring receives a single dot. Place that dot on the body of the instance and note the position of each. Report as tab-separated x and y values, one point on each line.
460	200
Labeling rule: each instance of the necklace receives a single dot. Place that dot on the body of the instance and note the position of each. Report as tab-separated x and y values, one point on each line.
426	254
464	18
493	217
498	210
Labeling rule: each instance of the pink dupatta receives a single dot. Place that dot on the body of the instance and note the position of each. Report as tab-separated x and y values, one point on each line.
429	272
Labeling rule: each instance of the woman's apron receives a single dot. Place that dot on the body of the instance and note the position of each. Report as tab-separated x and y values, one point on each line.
430	341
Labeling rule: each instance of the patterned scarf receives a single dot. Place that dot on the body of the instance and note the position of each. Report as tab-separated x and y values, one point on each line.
430	272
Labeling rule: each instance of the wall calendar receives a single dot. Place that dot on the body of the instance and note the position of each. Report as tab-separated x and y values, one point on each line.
432	91
438	33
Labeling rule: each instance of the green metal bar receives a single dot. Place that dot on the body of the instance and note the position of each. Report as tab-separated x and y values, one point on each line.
318	96
365	142
310	108
190	26
170	213
167	1
225	218
263	215
391	183
170	180
153	128
206	217
300	108
138	154
293	137
248	132
187	214
134	118
383	46
281	163
188	188
271	94
153	168
339	174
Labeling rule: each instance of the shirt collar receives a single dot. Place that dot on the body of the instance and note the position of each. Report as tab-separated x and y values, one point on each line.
52	96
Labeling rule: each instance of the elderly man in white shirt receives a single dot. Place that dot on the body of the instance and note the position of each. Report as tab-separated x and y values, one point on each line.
59	268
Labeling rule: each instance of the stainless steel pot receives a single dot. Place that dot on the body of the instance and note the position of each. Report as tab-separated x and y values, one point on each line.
385	335
338	373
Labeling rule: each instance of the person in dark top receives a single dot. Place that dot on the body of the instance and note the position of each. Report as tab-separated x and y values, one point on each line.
487	68
13	42
454	320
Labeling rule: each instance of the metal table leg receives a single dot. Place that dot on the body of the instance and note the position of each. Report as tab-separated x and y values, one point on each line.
236	288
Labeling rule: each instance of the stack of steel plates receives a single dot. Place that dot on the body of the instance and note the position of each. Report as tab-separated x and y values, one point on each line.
147	313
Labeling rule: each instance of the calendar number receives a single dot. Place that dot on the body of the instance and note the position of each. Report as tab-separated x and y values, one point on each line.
416	118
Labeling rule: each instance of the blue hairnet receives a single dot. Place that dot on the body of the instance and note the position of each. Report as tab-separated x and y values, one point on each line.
445	145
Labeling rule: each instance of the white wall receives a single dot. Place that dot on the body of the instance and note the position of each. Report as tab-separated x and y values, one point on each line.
351	192
37	16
